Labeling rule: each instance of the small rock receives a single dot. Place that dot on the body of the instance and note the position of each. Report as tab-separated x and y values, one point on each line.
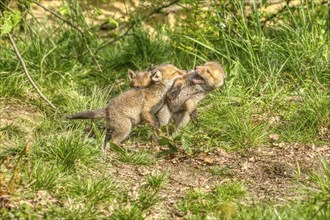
209	161
274	119
274	137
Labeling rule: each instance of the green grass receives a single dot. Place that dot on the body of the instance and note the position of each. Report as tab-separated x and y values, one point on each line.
219	203
157	180
277	82
66	152
137	158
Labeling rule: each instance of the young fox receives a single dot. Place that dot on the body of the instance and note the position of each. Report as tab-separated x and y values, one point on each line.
187	91
130	108
180	104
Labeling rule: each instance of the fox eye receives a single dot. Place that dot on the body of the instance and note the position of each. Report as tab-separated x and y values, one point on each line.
208	71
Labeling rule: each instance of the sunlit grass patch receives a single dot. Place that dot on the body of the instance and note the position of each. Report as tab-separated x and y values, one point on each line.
307	117
130	212
45	176
156	180
139	51
231	125
221	202
147	197
65	151
90	190
137	158
19	86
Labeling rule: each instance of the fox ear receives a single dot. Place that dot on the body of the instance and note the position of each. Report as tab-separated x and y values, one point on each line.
131	74
157	76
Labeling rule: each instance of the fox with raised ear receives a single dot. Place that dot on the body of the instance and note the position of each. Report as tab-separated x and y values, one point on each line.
130	108
187	91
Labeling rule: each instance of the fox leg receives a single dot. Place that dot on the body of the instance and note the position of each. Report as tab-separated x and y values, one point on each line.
150	118
116	133
121	130
182	118
164	115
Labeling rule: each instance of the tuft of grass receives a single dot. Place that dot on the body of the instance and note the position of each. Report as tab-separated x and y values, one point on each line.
231	125
19	86
147	197
92	191
10	152
45	176
12	131
157	180
131	212
230	191
136	158
149	193
219	203
307	117
65	151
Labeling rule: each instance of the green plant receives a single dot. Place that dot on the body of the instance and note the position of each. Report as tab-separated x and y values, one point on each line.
66	152
137	158
220	202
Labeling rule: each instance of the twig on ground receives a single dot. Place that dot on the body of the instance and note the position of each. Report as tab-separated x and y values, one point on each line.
26	72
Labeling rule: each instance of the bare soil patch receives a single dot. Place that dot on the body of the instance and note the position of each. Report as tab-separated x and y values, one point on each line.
270	173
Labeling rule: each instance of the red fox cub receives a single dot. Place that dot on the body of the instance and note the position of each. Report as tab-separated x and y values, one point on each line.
187	91
131	107
197	84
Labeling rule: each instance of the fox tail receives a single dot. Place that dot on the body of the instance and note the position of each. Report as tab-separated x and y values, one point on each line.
92	114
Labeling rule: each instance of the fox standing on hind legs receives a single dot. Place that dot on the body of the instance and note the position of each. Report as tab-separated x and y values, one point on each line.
186	92
130	108
182	101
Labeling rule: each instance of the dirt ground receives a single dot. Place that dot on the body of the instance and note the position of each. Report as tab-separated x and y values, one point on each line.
270	173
